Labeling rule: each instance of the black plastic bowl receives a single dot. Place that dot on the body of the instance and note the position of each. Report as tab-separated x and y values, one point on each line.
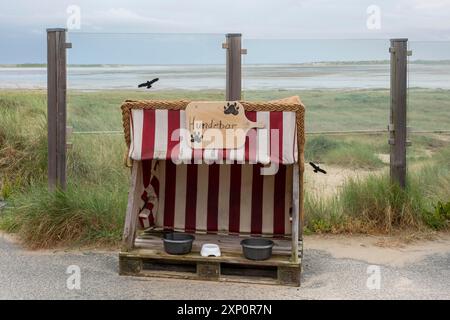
257	248
178	243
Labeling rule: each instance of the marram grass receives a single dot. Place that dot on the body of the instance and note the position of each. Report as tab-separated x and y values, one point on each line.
81	215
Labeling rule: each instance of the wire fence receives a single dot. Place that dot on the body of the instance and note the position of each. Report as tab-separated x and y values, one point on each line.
348	132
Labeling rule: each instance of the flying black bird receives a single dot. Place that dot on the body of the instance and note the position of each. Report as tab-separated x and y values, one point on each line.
148	84
317	168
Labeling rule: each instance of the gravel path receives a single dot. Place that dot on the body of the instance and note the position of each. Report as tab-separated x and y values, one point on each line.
42	275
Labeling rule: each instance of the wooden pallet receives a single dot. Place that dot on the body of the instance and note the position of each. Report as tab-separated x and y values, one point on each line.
230	267
148	258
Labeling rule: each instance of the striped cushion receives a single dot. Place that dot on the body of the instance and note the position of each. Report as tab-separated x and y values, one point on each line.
228	198
154	135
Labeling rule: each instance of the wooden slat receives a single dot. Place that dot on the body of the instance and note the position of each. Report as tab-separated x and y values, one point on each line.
226	243
235	279
189	276
301	200
295	213
131	217
226	257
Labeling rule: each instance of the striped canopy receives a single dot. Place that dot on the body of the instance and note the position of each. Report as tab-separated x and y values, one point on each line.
156	134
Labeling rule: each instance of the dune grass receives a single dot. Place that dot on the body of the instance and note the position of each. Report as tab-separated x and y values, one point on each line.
23	142
92	210
80	216
342	152
374	204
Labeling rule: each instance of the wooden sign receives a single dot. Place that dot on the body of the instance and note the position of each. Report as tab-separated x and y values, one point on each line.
217	124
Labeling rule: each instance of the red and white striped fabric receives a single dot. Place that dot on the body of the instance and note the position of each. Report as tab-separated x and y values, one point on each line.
227	198
155	134
150	195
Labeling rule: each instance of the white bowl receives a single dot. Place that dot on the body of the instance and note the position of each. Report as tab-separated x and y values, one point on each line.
210	249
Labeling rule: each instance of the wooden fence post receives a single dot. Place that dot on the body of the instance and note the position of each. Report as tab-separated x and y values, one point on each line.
233	45
397	125
56	107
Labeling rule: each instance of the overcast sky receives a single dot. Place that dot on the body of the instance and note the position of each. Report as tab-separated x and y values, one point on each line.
416	19
23	22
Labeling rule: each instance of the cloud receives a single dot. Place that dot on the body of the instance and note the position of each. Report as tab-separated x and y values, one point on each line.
123	16
431	4
429	19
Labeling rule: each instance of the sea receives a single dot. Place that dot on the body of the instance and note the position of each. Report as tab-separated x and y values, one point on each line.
254	77
197	62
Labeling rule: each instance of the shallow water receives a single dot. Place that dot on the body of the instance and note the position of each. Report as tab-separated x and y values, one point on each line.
255	77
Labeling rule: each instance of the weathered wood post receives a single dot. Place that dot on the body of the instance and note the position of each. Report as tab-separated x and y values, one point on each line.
397	125
233	45
297	223
56	107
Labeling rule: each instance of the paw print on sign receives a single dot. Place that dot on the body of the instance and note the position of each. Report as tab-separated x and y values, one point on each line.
196	137
231	108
